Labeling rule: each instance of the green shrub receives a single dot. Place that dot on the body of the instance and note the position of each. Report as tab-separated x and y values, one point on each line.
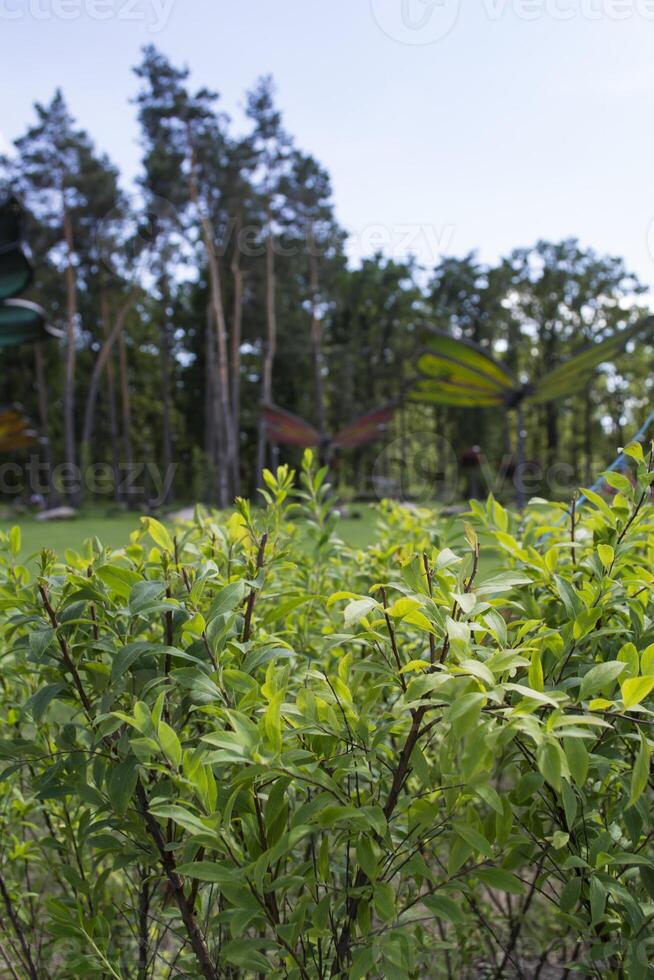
249	751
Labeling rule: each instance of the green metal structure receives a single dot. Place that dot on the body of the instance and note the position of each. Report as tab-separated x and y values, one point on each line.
21	321
461	374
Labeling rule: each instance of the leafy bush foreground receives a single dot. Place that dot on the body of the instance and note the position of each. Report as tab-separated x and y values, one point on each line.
250	751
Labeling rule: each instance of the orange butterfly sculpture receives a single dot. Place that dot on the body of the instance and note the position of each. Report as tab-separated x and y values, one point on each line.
291	430
15	431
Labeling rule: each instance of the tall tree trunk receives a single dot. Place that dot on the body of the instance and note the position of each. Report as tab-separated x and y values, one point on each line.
225	428
111	401
237	329
71	339
44	410
551	409
227	440
104	358
126	414
209	417
316	339
164	362
270	345
214	437
405	469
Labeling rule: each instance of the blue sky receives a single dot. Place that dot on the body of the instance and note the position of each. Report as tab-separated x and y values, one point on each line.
445	125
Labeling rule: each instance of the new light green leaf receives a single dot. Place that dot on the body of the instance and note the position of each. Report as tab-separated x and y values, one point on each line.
635	690
356	611
606	554
158	533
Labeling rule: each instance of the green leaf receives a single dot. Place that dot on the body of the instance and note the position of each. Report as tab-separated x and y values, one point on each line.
478	669
181	816
245	953
598	896
577	758
465	600
635	451
536	672
619	482
272	722
464	713
117	579
211	871
133	652
474	839
38	704
445	908
601	505
635	690
14	540
501	880
572	602
647	661
355	611
647	878
121	784
363	963
600	677
549	763
384	901
366	857
490	796
629	655
158	533
170	743
606	554
144	595
403	607
569	799
40	640
227	600
570	894
640	773
503	582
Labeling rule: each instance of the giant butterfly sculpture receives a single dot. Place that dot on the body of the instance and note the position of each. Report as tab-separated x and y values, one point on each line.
15	431
461	374
21	321
291	430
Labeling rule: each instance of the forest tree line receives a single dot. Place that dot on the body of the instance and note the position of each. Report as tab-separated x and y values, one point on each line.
223	283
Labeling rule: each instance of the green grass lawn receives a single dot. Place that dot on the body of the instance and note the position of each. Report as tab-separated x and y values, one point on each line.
357	530
114	530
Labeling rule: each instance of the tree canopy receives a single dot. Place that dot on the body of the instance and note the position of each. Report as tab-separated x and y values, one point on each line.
221	282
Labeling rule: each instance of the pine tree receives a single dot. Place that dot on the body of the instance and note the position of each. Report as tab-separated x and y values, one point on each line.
67	187
272	147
